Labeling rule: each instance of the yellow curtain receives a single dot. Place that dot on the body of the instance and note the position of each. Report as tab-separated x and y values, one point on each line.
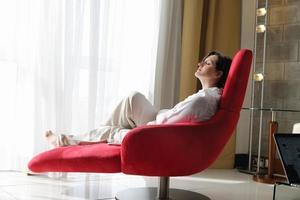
208	25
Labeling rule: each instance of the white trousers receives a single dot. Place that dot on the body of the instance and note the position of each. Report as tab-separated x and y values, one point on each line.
133	111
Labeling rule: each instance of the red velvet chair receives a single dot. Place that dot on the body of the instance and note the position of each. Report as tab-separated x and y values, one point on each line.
160	150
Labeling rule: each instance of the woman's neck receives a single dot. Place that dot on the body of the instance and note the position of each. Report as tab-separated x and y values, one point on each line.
206	85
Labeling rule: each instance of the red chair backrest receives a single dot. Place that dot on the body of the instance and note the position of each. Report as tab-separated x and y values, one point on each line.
236	83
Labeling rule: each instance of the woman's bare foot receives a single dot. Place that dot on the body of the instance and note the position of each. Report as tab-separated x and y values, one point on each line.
51	138
56	140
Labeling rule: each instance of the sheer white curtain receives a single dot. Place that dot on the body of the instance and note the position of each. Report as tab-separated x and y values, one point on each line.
168	54
65	64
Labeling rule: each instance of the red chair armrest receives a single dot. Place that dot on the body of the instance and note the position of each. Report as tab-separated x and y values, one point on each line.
168	150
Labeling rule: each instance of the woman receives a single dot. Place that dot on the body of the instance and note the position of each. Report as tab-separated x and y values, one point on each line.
136	110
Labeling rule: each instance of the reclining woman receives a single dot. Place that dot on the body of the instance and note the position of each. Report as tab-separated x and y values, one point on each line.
136	110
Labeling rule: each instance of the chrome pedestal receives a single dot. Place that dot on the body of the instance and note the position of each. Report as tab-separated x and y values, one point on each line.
151	194
162	193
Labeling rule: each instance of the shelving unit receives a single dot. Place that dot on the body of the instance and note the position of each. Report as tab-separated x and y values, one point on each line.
269	111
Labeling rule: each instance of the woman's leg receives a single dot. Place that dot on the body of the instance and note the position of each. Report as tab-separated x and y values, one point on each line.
100	135
133	111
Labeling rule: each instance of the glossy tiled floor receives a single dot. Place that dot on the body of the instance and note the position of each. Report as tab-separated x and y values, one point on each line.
216	184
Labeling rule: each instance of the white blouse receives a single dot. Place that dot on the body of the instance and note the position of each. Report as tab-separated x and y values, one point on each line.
198	107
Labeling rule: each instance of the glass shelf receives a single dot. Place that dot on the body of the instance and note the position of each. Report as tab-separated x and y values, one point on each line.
270	109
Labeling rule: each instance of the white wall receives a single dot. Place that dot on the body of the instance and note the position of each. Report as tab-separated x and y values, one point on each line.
247	41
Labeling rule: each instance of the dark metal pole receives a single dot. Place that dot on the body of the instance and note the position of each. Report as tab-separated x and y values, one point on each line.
163	190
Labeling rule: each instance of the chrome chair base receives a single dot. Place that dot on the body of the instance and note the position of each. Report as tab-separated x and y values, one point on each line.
152	194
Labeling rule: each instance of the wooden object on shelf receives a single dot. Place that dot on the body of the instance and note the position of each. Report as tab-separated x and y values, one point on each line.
273	127
270	177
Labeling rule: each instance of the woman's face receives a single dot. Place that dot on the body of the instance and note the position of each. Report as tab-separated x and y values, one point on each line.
207	68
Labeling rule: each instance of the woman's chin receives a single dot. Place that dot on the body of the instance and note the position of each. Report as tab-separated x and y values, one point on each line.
197	75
